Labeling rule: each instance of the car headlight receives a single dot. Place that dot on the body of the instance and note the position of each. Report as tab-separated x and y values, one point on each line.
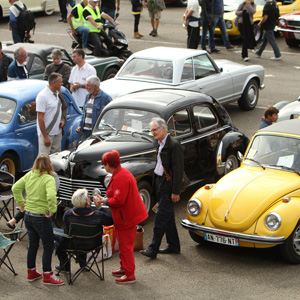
106	180
282	22
194	207
273	221
228	24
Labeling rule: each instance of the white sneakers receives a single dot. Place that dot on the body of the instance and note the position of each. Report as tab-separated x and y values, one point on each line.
276	58
246	58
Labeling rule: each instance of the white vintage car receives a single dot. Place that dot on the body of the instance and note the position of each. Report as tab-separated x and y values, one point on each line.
188	69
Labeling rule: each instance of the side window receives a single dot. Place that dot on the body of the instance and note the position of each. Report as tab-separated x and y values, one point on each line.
204	117
187	72
179	123
27	113
37	65
203	66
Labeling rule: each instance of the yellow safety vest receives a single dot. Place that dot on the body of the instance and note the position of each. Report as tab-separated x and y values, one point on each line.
96	16
79	21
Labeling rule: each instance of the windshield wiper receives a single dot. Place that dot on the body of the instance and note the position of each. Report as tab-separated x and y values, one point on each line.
258	163
285	167
143	136
93	136
108	125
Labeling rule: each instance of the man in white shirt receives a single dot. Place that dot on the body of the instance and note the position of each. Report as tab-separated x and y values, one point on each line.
51	115
78	76
192	19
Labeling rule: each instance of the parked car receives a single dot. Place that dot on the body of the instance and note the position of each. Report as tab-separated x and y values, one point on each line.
200	123
258	204
39	56
230	6
188	69
289	28
177	2
288	110
18	134
46	6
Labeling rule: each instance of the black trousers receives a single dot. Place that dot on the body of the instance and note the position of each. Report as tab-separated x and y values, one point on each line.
164	222
136	22
63	8
193	37
95	40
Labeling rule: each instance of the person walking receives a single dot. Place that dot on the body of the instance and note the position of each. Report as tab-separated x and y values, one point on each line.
63	10
245	12
51	115
154	14
128	210
268	23
95	101
14	12
5	61
137	8
39	207
192	22
17	69
168	174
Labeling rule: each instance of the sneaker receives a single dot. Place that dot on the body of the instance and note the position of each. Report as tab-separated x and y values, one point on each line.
232	47
246	58
154	34
59	268
256	54
118	273
276	58
87	51
215	50
50	279
151	32
125	279
33	275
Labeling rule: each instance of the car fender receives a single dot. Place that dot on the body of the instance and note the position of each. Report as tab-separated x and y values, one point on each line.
289	213
250	77
71	135
281	104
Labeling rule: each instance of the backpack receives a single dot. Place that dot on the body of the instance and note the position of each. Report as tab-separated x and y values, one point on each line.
25	20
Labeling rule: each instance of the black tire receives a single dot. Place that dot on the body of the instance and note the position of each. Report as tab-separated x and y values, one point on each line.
257	32
49	12
292	43
197	238
145	191
290	250
250	96
110	73
231	162
8	164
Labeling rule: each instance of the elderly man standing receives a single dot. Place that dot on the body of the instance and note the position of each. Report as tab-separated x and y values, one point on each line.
78	76
51	115
94	103
5	61
58	67
168	174
17	69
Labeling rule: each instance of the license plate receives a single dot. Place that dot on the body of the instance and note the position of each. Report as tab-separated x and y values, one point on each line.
221	239
297	36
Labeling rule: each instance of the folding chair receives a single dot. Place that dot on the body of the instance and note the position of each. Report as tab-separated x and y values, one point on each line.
78	237
8	243
6	179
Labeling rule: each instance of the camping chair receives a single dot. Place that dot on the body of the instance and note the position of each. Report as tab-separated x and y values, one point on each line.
78	235
6	244
6	179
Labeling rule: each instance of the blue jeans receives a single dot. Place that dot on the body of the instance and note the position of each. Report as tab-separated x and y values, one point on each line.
268	36
219	22
39	228
17	37
211	41
110	12
84	31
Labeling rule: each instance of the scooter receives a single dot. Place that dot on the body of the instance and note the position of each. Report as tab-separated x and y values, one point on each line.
119	40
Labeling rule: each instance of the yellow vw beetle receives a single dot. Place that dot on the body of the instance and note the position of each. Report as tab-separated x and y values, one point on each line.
258	204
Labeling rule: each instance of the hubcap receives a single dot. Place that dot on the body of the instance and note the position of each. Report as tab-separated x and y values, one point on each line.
252	95
296	241
145	195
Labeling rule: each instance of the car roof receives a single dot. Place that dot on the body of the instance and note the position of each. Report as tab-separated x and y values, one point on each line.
32	48
167	53
287	127
160	100
21	89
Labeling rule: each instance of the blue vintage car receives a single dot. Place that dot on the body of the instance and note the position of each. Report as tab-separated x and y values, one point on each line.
18	134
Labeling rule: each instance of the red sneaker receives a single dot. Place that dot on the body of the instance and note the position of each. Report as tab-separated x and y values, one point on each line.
118	273
125	279
32	275
50	279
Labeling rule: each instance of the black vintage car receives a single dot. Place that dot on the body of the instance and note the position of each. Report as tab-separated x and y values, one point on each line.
200	123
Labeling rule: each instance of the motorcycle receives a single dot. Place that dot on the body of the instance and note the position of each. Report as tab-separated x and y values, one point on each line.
120	43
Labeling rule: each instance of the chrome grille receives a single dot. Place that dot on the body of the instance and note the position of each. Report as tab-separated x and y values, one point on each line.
68	186
294	23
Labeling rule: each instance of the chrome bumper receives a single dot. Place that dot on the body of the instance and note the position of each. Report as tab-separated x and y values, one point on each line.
288	30
257	239
262	86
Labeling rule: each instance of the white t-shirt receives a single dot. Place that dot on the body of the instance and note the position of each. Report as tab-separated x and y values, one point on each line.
46	102
14	10
194	6
80	75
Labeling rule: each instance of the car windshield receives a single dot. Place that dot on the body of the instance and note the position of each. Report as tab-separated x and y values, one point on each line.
7	110
238	2
148	69
125	119
274	152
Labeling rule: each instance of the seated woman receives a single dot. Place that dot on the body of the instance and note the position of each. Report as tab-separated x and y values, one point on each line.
81	213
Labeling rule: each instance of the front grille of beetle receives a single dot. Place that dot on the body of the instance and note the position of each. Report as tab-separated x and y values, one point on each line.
294	23
68	186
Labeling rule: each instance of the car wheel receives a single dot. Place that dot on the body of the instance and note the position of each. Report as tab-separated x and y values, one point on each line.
110	73
145	190
181	2
197	238
7	164
257	32
290	250
292	43
231	163
250	95
49	12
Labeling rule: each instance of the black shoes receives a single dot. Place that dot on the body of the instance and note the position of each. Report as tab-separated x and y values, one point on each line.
149	253
169	251
215	50
63	20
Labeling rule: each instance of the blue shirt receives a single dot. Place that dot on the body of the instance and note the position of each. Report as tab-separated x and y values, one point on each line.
217	7
264	123
16	71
